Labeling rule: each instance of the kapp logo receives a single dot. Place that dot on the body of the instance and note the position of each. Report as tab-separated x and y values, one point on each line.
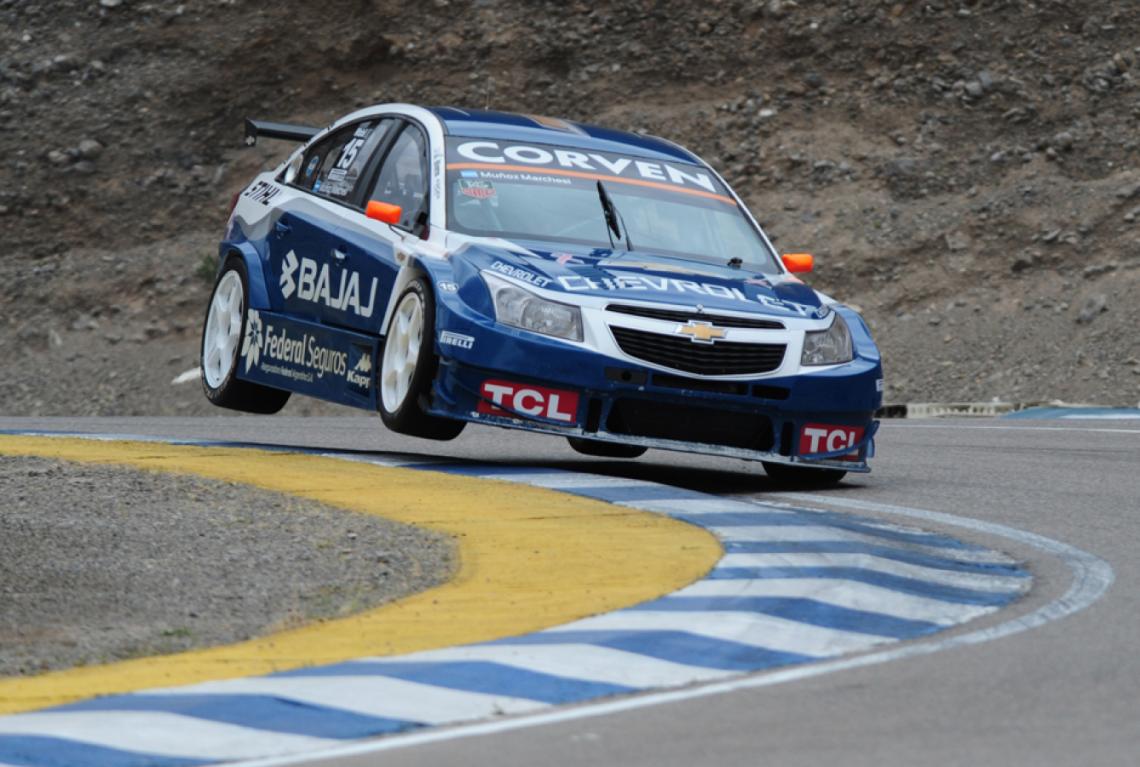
824	438
534	401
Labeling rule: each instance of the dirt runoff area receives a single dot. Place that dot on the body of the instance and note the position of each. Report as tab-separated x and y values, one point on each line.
100	564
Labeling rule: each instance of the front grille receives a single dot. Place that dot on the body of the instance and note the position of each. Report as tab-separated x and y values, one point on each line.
674	315
717	359
686	423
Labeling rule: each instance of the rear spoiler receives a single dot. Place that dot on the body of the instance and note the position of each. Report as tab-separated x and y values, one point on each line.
255	128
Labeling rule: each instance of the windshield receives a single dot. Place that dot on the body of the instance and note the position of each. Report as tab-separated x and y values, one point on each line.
542	192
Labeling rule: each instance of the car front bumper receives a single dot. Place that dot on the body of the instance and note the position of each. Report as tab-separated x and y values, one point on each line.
510	378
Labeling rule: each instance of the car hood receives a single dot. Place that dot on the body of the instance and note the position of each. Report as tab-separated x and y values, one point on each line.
644	276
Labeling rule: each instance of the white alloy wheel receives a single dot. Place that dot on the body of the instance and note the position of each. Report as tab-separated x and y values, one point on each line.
223	329
402	351
408	367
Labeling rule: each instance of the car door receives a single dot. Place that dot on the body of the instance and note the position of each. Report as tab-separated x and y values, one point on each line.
318	274
401	178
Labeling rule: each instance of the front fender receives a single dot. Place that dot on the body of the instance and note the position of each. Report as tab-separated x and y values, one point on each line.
441	282
258	294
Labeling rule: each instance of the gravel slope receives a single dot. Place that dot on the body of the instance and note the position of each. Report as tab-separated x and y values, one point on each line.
968	173
99	564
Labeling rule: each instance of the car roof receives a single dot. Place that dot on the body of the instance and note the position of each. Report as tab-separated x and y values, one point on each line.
507	126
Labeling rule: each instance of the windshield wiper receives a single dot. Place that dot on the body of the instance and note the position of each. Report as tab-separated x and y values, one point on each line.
736	262
610	211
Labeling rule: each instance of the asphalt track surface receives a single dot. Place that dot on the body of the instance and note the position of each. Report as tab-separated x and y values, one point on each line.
1066	692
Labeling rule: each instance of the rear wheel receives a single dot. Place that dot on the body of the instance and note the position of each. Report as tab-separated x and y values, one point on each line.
802	476
223	333
408	367
605	449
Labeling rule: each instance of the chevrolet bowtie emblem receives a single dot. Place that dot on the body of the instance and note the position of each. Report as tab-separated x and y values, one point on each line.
700	332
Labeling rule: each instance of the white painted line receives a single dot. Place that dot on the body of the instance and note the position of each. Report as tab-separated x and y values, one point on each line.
577	661
160	733
100	437
390	461
973	556
748	628
823	532
569	481
373	696
844	593
538	477
695	506
978	581
1092	577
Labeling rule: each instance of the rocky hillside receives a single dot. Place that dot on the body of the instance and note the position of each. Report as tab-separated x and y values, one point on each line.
968	173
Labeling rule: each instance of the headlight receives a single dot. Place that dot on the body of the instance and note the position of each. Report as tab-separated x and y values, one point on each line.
828	347
523	309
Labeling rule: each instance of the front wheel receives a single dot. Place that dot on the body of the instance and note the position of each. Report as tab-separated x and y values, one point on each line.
408	367
223	333
802	476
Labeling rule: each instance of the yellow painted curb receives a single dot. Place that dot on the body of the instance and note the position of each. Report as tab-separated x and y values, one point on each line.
528	559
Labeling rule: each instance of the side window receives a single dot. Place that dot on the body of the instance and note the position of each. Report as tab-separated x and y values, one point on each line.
333	167
403	177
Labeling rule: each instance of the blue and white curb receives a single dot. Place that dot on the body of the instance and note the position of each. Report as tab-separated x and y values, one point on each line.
794	586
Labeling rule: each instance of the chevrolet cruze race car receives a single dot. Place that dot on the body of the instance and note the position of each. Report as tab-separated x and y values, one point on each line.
445	266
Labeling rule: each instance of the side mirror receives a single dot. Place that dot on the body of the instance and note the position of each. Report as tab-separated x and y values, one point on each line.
385	212
798	263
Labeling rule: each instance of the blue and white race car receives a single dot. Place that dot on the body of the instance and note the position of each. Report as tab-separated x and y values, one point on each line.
444	266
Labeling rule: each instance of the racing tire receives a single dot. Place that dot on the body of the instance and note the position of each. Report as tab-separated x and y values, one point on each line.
605	449
802	476
223	332
408	365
